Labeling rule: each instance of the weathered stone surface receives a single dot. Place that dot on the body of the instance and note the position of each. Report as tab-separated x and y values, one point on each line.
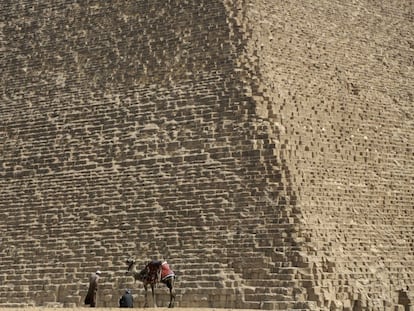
263	148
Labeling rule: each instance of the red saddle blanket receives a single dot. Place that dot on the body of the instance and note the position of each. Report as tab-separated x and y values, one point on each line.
166	271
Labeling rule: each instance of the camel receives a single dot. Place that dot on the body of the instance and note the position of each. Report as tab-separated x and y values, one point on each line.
154	272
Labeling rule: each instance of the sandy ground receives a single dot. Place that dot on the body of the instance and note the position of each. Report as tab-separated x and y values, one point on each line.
109	309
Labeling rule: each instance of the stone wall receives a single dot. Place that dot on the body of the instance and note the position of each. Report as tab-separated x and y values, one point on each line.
338	79
264	149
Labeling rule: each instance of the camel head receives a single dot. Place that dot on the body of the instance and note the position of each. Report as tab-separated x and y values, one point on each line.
131	264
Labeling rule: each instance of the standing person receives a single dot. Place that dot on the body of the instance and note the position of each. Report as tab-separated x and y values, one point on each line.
126	301
90	298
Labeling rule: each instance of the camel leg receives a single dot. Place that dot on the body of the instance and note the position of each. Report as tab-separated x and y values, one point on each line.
146	296
172	298
170	285
153	294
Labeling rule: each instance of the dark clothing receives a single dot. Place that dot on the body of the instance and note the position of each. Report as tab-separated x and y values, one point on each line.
154	271
126	301
90	298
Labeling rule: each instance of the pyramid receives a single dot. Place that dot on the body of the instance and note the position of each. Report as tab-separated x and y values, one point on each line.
263	148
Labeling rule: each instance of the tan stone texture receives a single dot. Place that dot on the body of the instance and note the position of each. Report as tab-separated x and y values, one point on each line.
264	148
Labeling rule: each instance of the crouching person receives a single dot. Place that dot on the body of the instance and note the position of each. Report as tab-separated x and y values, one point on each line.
126	301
